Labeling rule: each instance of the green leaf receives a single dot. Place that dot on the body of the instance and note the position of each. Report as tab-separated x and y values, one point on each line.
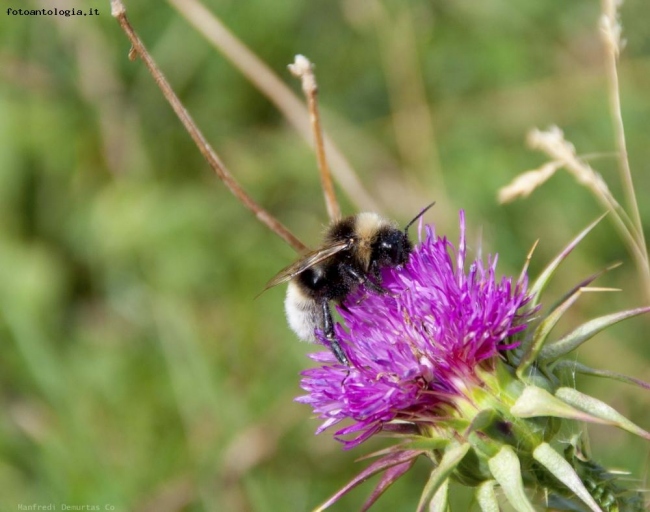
564	472
450	460
600	410
506	469
486	497
583	333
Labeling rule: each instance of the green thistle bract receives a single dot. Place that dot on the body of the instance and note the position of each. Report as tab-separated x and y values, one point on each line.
460	366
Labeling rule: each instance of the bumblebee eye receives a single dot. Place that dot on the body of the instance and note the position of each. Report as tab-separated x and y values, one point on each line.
392	248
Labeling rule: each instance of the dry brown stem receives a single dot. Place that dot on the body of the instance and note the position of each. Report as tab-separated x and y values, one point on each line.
138	49
610	30
302	68
268	83
563	154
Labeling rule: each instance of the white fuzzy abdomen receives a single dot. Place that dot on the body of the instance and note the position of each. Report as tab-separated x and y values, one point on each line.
304	315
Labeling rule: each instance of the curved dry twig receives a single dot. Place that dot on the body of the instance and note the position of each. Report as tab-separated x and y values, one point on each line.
139	50
268	83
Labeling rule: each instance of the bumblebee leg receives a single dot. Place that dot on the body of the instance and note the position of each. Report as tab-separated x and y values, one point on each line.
330	335
362	279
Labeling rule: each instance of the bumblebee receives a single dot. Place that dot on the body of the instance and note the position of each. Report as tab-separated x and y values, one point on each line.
354	251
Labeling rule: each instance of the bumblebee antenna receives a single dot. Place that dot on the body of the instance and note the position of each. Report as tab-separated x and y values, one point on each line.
138	49
302	68
417	217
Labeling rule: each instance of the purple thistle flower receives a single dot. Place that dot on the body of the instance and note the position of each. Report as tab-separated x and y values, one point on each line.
413	350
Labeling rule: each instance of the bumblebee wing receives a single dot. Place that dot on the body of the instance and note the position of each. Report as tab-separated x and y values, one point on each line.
307	261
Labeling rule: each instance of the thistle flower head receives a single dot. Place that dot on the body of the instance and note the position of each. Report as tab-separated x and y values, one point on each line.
414	348
460	365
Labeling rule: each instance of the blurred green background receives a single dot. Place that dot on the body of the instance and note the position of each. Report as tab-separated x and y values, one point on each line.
136	369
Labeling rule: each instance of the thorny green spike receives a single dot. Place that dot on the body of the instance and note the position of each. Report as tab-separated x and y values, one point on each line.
440	501
541	333
529	257
584	283
540	283
570	404
506	469
486	497
562	470
452	457
575	367
535	402
578	336
599	410
603	485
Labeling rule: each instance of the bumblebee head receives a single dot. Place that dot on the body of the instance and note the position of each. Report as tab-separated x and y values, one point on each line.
391	247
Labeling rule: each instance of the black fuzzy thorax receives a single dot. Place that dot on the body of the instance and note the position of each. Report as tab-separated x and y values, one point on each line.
338	276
